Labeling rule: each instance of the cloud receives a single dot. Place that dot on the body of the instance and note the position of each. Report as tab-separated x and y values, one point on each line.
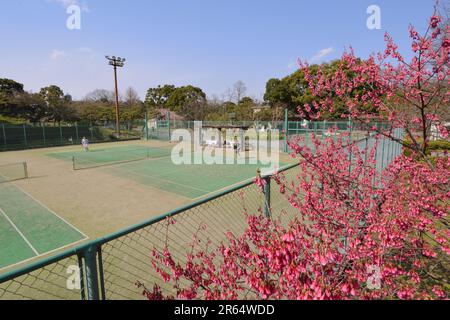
57	54
321	54
67	3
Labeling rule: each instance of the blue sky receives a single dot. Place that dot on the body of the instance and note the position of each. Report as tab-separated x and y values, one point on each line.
207	43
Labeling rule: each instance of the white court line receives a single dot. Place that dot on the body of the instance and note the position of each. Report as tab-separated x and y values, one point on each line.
19	232
164	180
85	237
207	192
223	189
51	211
12	266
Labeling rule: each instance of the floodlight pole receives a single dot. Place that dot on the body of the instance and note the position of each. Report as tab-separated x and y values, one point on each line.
116	62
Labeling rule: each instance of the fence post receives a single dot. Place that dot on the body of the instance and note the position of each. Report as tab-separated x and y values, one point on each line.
390	151
267	212
25	135
168	123
76	131
43	134
366	150
146	124
101	274
60	133
4	136
257	141
286	130
91	128
91	271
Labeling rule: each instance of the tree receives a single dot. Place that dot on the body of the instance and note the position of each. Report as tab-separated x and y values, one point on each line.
31	107
186	98
277	91
9	90
10	87
239	90
244	110
58	104
351	218
157	97
293	92
236	93
131	98
101	95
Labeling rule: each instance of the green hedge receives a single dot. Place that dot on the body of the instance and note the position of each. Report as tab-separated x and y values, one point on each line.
438	145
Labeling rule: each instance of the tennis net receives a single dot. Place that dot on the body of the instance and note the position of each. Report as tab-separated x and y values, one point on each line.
106	157
13	171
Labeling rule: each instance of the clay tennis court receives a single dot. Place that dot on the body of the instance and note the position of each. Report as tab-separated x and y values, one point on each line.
113	186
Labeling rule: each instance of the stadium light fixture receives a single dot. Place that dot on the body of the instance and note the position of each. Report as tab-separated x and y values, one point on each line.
116	63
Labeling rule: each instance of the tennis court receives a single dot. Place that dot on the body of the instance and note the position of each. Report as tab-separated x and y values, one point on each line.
28	228
156	169
102	156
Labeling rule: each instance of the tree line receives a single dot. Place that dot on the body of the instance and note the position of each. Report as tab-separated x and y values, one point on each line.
52	104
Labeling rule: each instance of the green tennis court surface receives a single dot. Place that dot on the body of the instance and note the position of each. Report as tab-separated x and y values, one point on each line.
104	156
158	170
190	181
28	229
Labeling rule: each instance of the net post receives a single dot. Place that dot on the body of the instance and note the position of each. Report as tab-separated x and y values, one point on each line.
91	272
73	163
25	169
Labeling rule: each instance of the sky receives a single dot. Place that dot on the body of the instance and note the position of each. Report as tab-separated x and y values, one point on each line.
207	43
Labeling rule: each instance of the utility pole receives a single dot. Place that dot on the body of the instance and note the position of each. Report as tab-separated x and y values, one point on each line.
116	62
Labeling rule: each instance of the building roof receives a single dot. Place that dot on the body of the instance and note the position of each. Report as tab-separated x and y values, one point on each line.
162	114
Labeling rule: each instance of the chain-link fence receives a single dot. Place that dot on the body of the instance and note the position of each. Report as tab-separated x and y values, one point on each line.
55	279
257	133
108	268
26	136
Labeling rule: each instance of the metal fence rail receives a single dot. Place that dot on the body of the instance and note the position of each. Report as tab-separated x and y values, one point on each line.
108	268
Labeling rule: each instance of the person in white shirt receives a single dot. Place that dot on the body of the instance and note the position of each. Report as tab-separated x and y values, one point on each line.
85	144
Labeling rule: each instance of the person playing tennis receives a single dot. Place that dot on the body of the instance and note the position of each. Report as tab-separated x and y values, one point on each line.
85	144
